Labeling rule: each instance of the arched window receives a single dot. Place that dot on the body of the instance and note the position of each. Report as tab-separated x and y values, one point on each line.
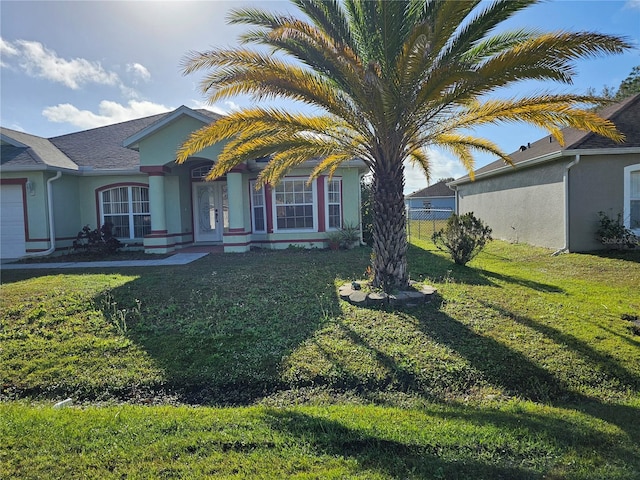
127	209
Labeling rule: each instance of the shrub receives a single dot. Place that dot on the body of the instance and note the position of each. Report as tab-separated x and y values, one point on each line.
100	241
463	237
614	234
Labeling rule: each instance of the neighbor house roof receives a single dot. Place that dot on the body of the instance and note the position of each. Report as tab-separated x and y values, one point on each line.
439	189
625	115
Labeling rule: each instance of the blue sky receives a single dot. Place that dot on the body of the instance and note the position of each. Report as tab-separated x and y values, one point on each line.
68	66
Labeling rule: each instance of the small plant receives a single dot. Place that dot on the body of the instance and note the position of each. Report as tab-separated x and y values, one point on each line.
463	237
350	235
100	241
334	239
613	234
345	238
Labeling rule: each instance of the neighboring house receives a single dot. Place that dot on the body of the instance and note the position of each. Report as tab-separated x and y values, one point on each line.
552	195
125	174
437	196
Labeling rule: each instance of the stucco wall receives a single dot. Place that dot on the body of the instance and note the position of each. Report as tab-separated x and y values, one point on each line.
66	209
595	184
161	147
526	205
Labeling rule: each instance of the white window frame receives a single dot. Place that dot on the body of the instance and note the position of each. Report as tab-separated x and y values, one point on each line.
130	214
337	180
275	205
627	196
258	194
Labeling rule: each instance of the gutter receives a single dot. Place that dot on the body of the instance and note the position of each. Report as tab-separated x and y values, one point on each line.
52	230
565	180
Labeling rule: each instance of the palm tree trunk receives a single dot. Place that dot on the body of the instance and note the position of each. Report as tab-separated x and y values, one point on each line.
389	233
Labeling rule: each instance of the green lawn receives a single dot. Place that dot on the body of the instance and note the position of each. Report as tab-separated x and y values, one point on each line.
248	366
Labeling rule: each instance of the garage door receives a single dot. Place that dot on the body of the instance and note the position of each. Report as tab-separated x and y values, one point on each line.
11	222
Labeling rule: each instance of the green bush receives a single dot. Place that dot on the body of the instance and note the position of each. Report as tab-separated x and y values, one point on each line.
613	234
463	237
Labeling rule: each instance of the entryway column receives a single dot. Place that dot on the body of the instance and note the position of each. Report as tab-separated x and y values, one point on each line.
236	202
237	239
157	204
158	240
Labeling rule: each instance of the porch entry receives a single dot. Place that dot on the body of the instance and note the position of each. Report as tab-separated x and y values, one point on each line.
210	211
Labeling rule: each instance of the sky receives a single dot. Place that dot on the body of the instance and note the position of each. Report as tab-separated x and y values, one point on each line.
67	66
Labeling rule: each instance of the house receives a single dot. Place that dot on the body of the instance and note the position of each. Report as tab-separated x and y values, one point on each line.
438	197
552	194
125	174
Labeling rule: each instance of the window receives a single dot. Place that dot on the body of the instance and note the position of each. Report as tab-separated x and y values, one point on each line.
632	198
294	207
259	216
127	208
334	204
200	172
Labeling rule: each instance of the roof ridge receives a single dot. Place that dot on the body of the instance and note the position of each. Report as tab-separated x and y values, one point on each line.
110	125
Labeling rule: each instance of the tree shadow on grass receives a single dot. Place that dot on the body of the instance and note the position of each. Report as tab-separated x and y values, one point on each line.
425	264
220	327
378	455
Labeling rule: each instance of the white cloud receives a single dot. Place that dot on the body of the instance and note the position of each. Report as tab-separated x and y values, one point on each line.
38	61
232	105
108	113
442	166
633	4
6	50
197	104
139	72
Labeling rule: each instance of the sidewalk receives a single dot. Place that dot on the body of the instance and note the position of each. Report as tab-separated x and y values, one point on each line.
177	259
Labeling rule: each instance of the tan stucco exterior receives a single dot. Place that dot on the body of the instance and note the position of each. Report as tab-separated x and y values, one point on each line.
553	204
524	205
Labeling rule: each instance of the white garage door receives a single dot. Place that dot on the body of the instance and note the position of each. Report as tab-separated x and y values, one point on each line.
11	222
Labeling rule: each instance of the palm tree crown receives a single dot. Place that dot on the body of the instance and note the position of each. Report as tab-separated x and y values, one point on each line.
390	78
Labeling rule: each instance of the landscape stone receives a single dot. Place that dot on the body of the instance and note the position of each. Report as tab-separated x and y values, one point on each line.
378	298
345	291
358	298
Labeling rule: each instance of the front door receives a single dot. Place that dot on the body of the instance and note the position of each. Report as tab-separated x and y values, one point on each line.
209	211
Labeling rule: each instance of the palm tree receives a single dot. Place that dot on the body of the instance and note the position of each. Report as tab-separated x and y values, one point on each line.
388	79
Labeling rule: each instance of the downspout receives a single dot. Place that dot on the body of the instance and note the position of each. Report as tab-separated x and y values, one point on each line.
52	230
455	205
565	179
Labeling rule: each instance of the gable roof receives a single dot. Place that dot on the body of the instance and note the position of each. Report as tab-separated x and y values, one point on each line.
439	189
22	151
625	115
100	148
205	116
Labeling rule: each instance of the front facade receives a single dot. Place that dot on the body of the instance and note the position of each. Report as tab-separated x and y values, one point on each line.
552	195
125	174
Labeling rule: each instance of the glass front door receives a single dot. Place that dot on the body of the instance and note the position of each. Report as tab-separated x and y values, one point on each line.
210	211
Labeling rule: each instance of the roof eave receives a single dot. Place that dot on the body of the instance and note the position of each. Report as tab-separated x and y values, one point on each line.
510	168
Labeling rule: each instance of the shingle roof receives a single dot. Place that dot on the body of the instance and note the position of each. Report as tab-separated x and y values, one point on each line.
22	150
625	115
100	148
439	189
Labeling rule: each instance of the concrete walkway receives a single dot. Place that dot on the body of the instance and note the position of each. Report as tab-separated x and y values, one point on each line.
177	259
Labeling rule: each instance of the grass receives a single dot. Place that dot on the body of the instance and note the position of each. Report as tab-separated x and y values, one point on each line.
524	368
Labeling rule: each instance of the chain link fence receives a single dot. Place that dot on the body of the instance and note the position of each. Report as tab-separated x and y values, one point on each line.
422	223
